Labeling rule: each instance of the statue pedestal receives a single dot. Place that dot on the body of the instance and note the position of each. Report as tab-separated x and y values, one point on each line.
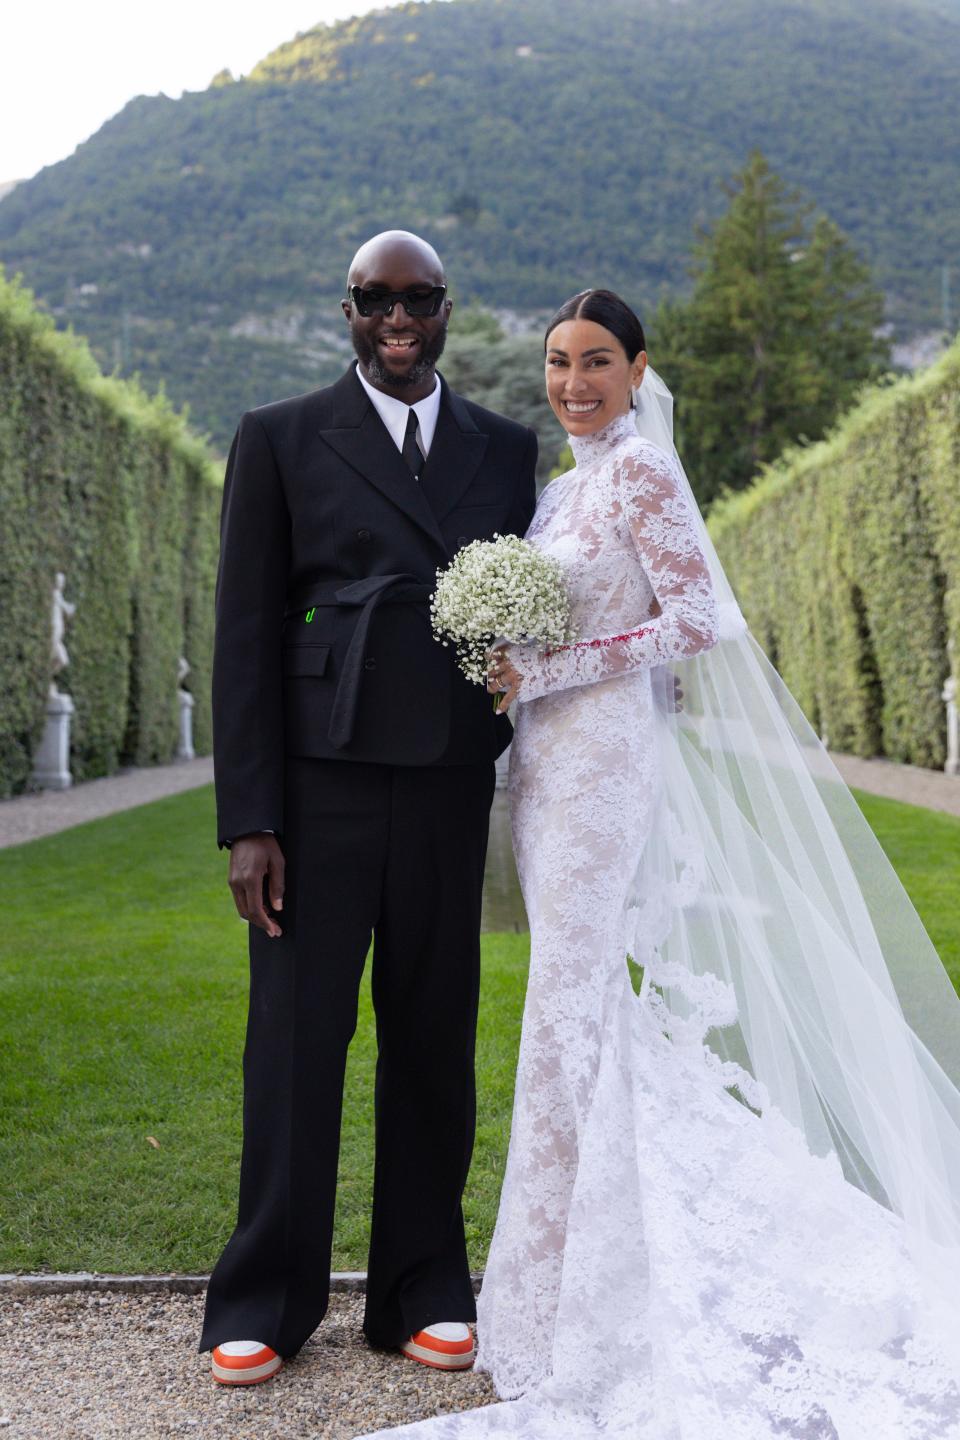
51	764
952	767
185	750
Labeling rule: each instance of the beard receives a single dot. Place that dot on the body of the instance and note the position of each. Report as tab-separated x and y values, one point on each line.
377	372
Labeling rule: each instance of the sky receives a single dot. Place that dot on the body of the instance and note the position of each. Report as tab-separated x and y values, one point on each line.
66	66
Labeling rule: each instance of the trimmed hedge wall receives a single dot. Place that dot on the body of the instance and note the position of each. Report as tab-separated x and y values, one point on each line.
109	486
845	557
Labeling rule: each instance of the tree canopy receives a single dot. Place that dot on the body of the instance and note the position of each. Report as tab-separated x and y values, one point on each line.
780	332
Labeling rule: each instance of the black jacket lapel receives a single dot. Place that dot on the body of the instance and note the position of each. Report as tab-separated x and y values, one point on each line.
455	454
359	437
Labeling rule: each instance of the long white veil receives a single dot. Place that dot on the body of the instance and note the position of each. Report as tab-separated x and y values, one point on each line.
774	932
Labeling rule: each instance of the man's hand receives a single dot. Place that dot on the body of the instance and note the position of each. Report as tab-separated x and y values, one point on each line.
256	868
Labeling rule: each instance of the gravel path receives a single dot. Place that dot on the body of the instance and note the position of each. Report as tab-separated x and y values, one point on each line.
28	816
126	1367
910	783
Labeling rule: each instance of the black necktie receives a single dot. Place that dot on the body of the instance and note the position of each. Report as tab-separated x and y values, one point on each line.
411	450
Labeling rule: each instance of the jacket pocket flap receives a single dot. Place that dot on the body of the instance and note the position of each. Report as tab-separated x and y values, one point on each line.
305	659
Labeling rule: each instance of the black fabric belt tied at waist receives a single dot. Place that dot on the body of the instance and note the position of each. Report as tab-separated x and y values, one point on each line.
368	594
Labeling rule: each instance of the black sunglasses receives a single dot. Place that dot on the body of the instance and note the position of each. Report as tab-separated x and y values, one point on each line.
418	302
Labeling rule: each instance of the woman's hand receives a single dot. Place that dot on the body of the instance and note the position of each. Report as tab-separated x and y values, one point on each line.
502	680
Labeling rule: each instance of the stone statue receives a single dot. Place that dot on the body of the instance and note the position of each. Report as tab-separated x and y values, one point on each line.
51	763
61	612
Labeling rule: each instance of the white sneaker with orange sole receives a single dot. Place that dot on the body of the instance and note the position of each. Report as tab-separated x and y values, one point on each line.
244	1362
448	1346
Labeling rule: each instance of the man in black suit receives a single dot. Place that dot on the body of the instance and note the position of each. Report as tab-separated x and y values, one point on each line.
354	773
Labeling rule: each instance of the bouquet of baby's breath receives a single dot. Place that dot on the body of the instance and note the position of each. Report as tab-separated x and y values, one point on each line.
500	590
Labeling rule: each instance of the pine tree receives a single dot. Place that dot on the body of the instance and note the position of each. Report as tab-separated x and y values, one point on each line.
776	338
843	318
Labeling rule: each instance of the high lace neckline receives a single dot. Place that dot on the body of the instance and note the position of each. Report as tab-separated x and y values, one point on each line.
588	448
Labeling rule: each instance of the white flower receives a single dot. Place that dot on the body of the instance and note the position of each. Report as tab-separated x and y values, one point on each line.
501	589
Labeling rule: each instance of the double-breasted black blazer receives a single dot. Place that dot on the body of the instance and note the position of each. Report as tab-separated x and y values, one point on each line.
329	549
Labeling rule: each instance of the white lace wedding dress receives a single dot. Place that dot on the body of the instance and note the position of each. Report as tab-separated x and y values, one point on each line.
668	1264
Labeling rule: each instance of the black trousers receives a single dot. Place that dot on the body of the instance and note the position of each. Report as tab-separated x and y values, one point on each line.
397	853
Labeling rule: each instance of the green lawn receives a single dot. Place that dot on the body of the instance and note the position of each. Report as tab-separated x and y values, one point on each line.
924	849
122	999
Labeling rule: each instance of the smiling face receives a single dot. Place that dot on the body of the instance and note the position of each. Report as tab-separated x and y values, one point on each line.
398	353
589	377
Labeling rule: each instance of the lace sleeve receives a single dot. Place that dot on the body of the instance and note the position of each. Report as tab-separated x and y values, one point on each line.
647	494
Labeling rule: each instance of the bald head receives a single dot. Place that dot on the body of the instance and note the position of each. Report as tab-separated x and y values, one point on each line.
391	249
398	350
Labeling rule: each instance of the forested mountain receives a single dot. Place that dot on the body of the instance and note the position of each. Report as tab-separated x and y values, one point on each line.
541	144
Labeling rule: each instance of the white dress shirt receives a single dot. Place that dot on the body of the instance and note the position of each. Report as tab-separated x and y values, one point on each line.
394	414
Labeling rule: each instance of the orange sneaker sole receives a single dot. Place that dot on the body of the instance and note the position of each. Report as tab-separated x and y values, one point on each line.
439	1359
245	1374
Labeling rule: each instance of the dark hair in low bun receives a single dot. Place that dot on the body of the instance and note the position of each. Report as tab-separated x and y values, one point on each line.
607	309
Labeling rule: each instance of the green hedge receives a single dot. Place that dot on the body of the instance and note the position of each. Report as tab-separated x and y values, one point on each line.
109	486
845	557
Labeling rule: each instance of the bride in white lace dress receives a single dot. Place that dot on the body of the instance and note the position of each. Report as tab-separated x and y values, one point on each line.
730	1240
